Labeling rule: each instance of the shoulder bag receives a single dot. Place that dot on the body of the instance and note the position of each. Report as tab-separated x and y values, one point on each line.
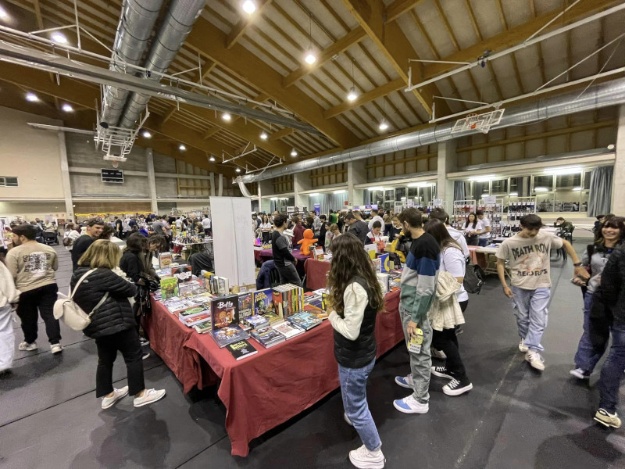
73	316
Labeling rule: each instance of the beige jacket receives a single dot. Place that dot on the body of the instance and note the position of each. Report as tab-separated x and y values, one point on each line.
8	292
445	312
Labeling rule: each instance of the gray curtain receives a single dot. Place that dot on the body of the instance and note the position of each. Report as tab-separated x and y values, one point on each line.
600	194
366	197
327	202
459	190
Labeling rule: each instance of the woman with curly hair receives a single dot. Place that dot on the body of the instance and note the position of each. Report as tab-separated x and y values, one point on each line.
355	297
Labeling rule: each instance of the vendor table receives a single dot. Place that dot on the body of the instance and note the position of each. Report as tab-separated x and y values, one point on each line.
316	273
269	388
262	255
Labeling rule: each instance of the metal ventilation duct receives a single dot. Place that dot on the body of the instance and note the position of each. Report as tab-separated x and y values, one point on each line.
133	31
174	31
595	97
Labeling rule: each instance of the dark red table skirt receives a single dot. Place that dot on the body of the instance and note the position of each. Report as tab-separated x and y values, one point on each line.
269	388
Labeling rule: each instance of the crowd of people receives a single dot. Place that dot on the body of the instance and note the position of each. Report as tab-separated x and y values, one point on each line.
114	285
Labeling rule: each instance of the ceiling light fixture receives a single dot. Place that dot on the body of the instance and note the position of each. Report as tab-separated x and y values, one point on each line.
67	108
541	189
353	94
4	15
58	37
212	159
146	134
611	146
310	57
263	135
226	116
181	147
383	125
564	171
249	6
514	194
340	191
314	194
293	153
376	188
32	97
238	170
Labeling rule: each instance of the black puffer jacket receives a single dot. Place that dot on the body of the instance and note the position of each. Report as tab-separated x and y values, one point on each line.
115	315
611	288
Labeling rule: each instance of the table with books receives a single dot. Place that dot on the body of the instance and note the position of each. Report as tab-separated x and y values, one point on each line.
260	386
316	273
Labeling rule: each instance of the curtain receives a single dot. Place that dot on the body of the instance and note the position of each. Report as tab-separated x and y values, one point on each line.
459	190
366	197
600	193
327	202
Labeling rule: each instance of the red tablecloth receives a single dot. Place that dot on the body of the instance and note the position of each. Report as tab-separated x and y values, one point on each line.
269	388
316	273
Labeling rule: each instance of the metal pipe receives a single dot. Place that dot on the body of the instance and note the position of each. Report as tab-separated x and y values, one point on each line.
596	97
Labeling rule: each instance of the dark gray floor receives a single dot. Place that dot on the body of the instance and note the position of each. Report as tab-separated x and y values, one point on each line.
514	417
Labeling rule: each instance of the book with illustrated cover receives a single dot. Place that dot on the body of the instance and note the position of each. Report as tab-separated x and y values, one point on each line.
241	349
246	305
203	327
200	299
267	337
186	290
278	305
315	311
169	287
228	335
385	263
305	320
287	329
263	301
165	259
225	311
192	321
273	318
257	321
223	286
194	311
182	273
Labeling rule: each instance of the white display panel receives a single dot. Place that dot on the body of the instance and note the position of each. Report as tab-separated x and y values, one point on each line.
233	239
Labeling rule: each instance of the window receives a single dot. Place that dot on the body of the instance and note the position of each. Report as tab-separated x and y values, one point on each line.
6	181
500	186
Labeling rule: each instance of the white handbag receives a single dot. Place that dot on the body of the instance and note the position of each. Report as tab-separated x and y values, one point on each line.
73	316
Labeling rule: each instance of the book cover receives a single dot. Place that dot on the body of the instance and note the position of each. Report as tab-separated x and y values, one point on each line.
287	329
267	337
182	273
165	259
228	335
203	327
317	312
246	305
225	311
241	349
189	322
169	287
191	312
263	302
223	287
385	263
305	320
186	290
273	318
257	321
278	306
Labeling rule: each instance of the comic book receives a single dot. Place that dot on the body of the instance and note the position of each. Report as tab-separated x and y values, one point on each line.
263	301
241	349
169	287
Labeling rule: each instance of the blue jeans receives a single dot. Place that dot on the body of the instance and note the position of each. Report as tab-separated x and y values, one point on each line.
587	357
612	371
420	363
531	314
483	242
354	394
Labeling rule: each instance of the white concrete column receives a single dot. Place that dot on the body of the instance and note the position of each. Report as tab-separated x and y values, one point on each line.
211	180
446	163
65	181
356	174
618	188
301	182
149	161
220	190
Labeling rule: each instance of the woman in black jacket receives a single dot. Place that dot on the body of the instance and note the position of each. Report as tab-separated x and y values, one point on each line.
112	323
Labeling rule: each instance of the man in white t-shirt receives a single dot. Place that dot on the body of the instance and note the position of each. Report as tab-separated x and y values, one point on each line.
375	217
484	228
206	224
528	255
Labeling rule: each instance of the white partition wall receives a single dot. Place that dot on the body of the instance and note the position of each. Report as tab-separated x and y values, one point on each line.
233	239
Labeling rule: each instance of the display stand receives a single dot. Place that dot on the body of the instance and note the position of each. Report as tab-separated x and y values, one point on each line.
462	209
436	203
493	210
518	208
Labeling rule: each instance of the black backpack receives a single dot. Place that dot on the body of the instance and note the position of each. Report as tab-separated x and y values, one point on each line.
473	278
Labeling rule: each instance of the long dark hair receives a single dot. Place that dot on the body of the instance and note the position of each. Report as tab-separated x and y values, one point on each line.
474	220
350	260
438	229
612	222
136	242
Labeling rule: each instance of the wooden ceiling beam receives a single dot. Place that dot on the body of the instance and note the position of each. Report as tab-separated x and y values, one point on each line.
365	98
280	134
515	36
398	8
239	29
247	66
392	42
353	37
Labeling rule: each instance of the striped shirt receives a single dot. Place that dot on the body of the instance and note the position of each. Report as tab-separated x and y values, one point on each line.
418	280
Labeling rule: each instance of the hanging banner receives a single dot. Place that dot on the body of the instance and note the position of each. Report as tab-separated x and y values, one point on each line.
317	208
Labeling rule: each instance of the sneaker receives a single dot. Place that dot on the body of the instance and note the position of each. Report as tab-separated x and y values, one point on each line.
535	360
409	405
27	347
607	419
145	355
405	381
346	418
56	348
522	347
455	387
459	330
149	396
579	373
441	372
363	458
117	395
143	341
438	354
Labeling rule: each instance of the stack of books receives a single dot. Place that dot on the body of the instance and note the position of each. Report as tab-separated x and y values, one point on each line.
267	337
305	320
288	299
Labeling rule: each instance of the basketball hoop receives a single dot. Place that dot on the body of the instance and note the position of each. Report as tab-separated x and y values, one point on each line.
482	122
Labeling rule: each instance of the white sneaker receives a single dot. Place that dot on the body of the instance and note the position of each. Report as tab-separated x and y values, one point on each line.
579	373
27	347
363	458
409	405
149	396
405	381
522	347
535	360
117	395
56	348
438	354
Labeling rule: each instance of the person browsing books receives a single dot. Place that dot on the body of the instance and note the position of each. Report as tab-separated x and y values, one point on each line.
355	297
282	257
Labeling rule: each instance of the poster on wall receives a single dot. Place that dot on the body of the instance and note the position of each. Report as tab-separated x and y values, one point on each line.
317	208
